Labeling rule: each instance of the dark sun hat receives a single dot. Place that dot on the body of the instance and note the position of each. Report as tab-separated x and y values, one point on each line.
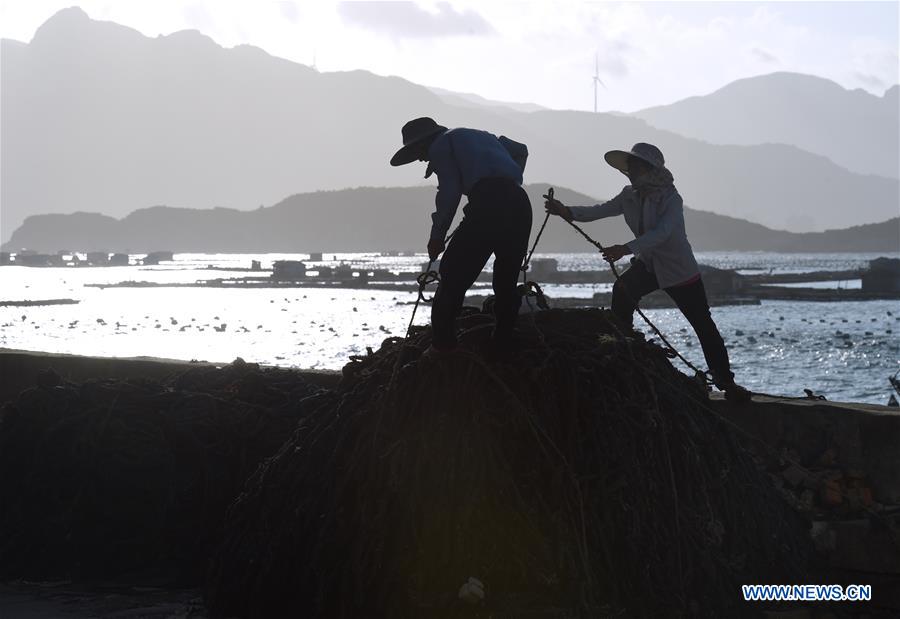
414	133
645	152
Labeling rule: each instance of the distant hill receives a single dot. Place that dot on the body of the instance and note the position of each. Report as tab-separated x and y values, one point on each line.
853	128
468	99
379	219
100	118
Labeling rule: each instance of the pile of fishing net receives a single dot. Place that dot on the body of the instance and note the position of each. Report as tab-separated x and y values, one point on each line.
108	476
580	476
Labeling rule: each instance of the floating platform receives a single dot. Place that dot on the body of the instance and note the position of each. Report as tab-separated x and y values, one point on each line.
38	302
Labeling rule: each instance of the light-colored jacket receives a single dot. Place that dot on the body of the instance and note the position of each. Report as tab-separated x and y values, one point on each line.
663	246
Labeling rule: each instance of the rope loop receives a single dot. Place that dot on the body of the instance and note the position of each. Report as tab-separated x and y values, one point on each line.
427	277
532	289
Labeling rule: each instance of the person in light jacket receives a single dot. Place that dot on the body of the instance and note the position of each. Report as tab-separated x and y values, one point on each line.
654	212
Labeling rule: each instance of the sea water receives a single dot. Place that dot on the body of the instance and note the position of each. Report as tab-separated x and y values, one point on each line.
843	350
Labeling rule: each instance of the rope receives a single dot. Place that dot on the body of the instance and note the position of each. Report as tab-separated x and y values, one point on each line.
537	239
669	347
529	288
429	276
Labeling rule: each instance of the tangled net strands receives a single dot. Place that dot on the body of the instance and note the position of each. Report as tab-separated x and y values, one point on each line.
109	476
583	477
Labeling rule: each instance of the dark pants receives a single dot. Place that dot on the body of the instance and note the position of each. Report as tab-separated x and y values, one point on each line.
497	220
637	282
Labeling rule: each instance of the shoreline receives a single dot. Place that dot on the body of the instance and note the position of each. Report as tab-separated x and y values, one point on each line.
20	369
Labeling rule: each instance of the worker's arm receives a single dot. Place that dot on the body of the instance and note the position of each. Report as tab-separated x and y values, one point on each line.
672	216
610	208
449	189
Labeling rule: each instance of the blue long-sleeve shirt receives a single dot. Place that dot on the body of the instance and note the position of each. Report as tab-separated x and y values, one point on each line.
461	157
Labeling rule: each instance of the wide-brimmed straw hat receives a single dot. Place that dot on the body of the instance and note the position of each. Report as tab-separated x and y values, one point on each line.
645	152
414	133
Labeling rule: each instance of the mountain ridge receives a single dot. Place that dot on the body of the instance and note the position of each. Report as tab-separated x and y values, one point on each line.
388	219
112	126
806	111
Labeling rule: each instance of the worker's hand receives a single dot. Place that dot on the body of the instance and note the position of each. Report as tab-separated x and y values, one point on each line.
435	247
555	207
614	252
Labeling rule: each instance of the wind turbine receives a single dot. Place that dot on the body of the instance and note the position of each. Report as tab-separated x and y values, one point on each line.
597	79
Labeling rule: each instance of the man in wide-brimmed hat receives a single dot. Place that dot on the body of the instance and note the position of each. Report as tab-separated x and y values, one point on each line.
488	170
654	211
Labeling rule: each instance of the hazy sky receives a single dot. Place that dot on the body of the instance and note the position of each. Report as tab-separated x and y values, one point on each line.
542	52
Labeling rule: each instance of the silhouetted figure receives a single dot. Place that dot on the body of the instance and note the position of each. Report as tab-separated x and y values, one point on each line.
497	219
654	211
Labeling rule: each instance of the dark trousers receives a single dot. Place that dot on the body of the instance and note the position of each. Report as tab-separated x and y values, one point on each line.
497	220
637	282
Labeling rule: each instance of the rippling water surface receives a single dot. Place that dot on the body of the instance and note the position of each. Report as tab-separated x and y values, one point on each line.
845	350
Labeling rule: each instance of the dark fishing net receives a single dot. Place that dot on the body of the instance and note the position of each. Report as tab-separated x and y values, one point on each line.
582	476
